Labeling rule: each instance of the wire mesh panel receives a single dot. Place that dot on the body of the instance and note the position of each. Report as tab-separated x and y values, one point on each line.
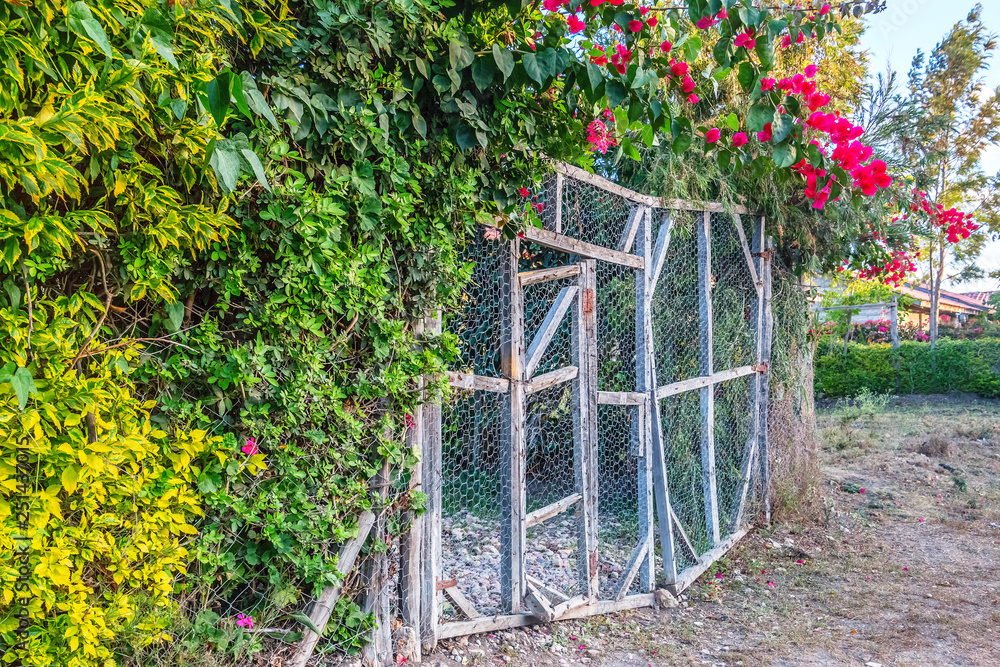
674	306
734	296
680	416
733	428
618	496
592	214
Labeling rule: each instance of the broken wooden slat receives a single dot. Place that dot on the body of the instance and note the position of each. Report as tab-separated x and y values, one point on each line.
549	511
480	382
551	379
550	593
538	603
461	602
548	329
746	250
628	234
546	275
691	574
632	569
685	542
621	398
659	255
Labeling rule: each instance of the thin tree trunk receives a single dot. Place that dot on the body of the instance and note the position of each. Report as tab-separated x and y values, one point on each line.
934	298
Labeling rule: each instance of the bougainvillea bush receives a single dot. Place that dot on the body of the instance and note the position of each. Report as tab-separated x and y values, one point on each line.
219	224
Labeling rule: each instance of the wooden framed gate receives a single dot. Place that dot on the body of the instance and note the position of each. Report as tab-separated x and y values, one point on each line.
590	387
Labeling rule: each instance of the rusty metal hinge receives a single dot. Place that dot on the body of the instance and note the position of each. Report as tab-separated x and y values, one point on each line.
766	254
588	300
761	367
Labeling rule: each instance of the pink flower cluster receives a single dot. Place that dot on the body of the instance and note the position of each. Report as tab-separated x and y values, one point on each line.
244	621
955	223
706	22
597	135
250	448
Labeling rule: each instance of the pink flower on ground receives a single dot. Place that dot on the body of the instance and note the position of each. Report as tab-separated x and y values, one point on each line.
250	448
718	575
906	569
862	490
739	139
771	584
800	561
575	24
244	621
712	135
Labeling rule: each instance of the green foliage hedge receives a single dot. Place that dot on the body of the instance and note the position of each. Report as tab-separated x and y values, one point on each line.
953	365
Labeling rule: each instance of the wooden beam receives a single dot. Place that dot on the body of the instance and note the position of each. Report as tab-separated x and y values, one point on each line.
549	511
648	200
430	560
576	247
685	542
538	604
323	606
585	427
546	275
881	304
572	603
496	623
550	593
461	603
551	379
632	569
643	433
621	398
512	535
746	249
548	329
411	542
652	475
705	366
659	255
765	379
691	574
675	388
559	198
480	382
628	234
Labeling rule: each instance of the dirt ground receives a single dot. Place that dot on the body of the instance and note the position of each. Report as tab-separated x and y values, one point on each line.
896	562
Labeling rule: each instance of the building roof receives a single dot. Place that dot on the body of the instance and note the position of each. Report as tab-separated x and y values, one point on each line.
981	297
951	300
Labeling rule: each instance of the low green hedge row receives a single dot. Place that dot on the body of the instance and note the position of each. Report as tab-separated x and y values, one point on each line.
953	365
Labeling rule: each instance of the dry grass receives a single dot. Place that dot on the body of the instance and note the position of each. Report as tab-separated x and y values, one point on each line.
906	573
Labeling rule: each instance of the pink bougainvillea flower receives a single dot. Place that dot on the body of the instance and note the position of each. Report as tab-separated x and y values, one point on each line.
739	139
770	583
800	561
616	2
693	99
244	621
596	3
652	21
665	46
643	11
767	84
786	41
704	23
765	134
524	192
817	101
410	422
687	84
862	490
539	207
601	59
906	569
745	39
617	27
825	9
712	135
801	38
679	68
723	14
575	24
552	5
635	26
250	448
809	71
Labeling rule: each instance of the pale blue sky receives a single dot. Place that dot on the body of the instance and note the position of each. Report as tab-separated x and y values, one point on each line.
895	35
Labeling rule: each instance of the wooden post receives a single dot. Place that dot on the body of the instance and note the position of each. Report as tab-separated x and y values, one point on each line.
585	425
559	198
705	365
430	561
411	542
765	377
512	530
894	327
642	437
378	652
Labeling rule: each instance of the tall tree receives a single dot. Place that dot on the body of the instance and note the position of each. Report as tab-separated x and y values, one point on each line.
957	119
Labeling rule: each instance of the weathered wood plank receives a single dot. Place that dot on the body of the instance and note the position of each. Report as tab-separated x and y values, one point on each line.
563	607
549	511
551	379
585	427
495	623
644	473
462	603
411	542
621	398
546	275
765	379
880	304
582	248
559	202
324	604
705	366
548	329
685	542
481	382
648	200
645	378
631	569
659	255
512	531
628	234
681	386
538	604
746	249
691	574
551	593
430	561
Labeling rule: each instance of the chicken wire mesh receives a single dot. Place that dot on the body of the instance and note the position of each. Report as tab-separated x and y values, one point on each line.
475	422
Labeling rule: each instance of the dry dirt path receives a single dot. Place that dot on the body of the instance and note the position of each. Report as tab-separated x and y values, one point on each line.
905	573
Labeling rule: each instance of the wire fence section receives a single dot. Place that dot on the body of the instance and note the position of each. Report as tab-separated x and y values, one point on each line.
605	429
